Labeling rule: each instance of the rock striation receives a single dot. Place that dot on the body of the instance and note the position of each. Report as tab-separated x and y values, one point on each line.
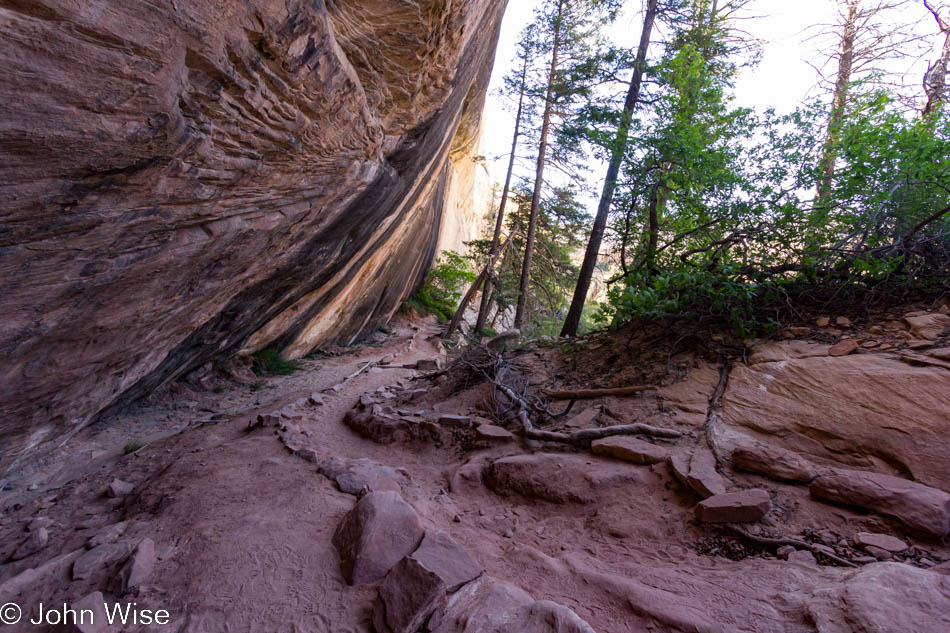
183	181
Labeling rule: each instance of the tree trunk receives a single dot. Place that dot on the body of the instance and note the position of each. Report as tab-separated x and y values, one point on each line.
499	221
935	81
829	152
539	176
654	230
610	182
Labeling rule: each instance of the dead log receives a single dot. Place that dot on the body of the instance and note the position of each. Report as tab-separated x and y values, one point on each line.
587	394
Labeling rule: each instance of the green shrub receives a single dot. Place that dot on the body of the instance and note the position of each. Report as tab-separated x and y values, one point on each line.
719	298
132	446
445	282
268	362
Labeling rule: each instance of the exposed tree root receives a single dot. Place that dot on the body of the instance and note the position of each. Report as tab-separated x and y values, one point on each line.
579	438
585	394
763	540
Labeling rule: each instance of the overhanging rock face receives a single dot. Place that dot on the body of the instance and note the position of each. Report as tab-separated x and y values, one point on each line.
182	180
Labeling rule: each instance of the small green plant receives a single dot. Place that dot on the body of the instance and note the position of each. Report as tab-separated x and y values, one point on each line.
442	290
257	386
132	446
218	389
385	329
268	362
488	332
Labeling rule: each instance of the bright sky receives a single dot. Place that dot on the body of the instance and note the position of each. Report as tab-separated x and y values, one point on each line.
782	80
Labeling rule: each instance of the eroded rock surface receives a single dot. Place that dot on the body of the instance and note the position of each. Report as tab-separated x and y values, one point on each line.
184	180
868	411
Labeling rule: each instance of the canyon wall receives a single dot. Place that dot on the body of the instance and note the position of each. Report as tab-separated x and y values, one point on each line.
184	180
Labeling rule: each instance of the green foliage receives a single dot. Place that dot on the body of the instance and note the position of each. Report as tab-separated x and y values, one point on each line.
718	298
269	362
442	290
132	446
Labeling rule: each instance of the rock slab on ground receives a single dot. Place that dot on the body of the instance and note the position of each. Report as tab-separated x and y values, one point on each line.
375	535
883	598
746	506
919	507
556	477
774	463
419	583
629	449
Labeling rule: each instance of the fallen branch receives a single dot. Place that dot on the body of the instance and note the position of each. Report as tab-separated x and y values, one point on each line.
763	540
586	394
367	366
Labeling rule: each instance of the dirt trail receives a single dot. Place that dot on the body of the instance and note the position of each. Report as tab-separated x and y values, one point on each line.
243	527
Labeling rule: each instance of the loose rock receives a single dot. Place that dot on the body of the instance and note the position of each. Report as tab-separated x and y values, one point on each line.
137	568
747	506
118	488
415	587
98	623
99	558
883	541
844	347
35	542
629	449
556	477
375	535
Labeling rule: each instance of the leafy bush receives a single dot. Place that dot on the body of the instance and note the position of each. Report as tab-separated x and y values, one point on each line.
445	282
720	298
268	362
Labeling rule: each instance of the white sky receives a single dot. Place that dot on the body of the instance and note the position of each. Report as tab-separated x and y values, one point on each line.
782	80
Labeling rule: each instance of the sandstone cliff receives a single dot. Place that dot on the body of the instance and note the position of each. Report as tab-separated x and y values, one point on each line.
185	179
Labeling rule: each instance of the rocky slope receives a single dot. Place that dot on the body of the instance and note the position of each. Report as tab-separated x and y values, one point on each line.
183	180
371	493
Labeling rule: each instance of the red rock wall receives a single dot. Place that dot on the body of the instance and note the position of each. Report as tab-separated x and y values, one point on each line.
182	179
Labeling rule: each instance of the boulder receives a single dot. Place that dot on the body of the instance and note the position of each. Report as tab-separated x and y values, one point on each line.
773	462
504	340
885	542
478	606
455	421
489	605
803	557
137	568
629	449
108	534
558	477
357	476
407	597
118	488
703	476
851	411
377	427
883	598
492	433
843	348
94	622
928	325
375	535
35	542
919	507
746	506
416	586
99	558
